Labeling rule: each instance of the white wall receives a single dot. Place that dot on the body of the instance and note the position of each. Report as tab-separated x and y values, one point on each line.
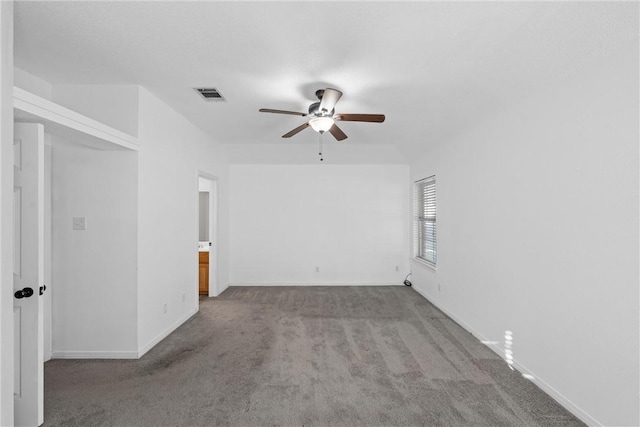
44	89
172	152
302	152
113	105
94	287
6	213
351	221
31	83
538	234
104	103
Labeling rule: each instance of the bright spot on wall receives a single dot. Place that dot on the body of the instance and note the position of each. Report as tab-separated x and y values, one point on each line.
508	348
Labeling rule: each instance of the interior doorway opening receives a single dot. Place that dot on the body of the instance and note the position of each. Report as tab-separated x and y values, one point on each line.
207	235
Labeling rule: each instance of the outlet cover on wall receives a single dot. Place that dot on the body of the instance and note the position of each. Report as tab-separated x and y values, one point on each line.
79	223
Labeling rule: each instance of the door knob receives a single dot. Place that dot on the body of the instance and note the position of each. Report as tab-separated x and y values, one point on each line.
24	293
42	289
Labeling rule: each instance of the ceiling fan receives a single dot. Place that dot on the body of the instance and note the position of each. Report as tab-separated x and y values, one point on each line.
322	115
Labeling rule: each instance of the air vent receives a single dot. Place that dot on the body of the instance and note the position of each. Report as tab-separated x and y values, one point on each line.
209	93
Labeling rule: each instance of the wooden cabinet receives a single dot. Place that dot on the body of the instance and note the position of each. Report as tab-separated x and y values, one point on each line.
203	258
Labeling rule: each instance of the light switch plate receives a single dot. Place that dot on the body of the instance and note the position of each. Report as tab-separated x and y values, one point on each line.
79	223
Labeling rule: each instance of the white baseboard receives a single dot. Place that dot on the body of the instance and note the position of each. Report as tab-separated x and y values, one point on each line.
94	355
144	349
317	284
123	354
221	289
555	394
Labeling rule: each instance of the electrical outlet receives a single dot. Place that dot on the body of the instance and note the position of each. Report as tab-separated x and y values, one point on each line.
439	287
79	223
317	269
164	307
184	297
397	268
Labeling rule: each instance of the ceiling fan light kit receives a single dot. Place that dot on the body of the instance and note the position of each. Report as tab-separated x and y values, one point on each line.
321	124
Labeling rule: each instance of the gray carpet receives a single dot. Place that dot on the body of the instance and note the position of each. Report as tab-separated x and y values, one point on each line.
304	356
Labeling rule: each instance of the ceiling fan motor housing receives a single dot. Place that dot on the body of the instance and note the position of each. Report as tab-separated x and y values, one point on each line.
314	111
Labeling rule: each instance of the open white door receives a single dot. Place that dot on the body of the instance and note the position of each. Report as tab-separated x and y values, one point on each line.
28	273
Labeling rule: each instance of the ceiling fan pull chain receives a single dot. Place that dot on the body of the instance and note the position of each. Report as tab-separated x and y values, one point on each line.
320	146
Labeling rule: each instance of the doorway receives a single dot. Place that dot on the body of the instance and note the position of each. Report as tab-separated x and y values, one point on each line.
207	235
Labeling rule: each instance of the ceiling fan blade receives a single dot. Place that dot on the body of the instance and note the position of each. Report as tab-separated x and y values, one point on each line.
337	132
329	99
270	110
296	130
372	118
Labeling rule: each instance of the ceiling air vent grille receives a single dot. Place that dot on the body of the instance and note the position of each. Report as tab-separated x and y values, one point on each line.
209	93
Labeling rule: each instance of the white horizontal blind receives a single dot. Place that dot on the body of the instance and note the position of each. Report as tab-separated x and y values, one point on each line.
425	219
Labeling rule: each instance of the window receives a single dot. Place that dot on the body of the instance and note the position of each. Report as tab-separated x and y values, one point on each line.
425	220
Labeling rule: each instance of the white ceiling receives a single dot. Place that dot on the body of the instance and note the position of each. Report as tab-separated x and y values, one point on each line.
434	68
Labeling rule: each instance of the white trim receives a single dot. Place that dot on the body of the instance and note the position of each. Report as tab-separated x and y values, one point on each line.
552	392
162	335
62	121
222	289
95	355
317	284
424	263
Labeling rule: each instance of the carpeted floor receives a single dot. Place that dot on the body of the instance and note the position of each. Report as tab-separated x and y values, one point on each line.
304	356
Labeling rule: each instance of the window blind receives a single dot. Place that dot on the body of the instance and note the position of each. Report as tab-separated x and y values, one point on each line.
425	219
